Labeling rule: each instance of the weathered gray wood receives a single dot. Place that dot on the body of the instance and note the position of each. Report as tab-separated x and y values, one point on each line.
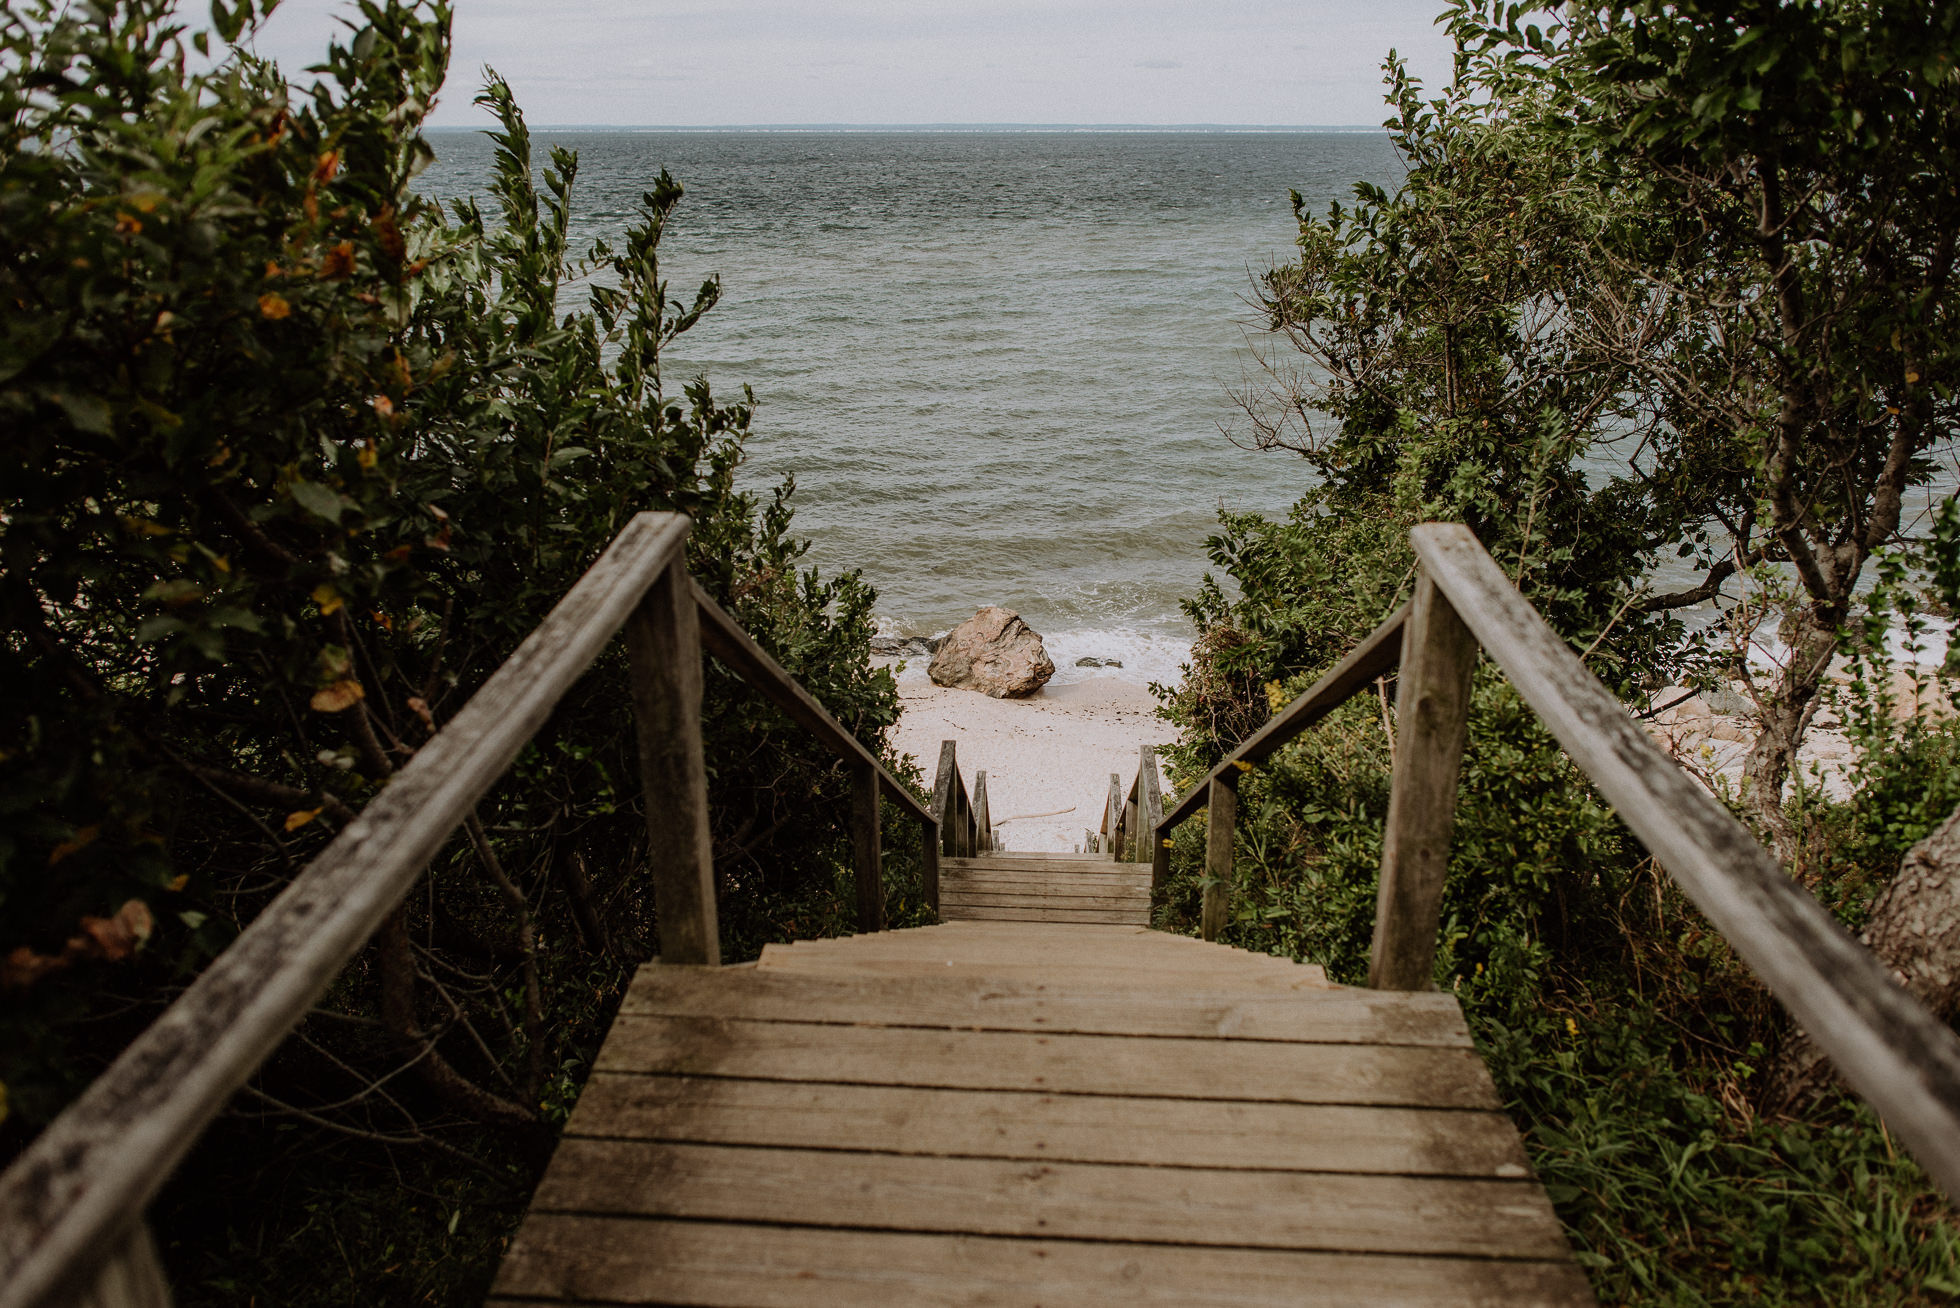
1372	658
1222	817
1053	913
1193	1206
1904	1061
1025	898
132	1278
1113	819
664	645
76	1192
724	638
983	819
929	861
1037	1127
1432	722
1149	807
1400	1075
867	847
932	999
613	1260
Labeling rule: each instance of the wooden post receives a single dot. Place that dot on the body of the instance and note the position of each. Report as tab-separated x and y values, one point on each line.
663	641
1113	818
1221	816
1132	845
1432	717
131	1278
866	852
943	784
1150	811
929	862
983	818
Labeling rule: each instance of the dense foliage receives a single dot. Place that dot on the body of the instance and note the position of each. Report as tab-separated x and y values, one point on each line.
1583	326
294	460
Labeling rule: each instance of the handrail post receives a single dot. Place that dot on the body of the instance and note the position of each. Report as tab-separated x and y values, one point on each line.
1113	817
663	641
983	817
1150	810
929	861
1432	721
866	847
1221	816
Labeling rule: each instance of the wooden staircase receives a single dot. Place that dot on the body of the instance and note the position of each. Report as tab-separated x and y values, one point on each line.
1013	887
1024	1112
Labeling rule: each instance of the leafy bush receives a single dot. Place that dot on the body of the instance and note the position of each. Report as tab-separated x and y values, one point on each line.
295	460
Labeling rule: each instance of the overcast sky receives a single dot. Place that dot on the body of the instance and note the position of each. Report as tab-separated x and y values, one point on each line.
688	63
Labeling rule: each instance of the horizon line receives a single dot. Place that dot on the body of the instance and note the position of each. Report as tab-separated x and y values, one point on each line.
1222	128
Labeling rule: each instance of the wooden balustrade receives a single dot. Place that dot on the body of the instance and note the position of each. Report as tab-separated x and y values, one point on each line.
1902	1059
964	818
71	1206
1129	820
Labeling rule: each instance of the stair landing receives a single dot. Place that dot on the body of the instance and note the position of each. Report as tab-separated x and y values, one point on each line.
1015	1113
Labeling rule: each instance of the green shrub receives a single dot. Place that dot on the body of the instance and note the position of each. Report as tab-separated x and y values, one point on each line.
294	462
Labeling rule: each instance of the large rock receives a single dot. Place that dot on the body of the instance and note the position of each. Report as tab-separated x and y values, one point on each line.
995	653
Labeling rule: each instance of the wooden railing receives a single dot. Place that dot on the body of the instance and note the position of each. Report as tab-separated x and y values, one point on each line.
965	823
71	1207
1902	1059
1129	821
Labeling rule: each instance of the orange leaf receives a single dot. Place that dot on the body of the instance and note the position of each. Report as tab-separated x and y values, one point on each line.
273	305
328	599
300	817
82	840
342	694
338	263
24	967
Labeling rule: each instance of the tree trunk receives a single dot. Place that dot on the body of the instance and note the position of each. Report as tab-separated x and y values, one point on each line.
1915	930
1785	714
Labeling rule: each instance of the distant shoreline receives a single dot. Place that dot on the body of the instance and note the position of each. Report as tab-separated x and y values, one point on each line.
971	129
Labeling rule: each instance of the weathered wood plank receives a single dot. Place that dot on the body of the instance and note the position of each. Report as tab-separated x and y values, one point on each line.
1068	972
1150	802
1407	1076
663	644
131	1279
929	842
1059	914
1330	1211
1373	657
1113	820
723	1265
1348	1016
1432	722
71	1198
1044	897
867	847
1065	1128
1064	883
1903	1060
724	638
983	821
1215	907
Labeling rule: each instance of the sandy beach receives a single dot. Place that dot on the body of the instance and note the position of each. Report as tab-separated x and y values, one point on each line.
1052	751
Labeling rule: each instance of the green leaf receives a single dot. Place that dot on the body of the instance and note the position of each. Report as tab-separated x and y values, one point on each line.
321	501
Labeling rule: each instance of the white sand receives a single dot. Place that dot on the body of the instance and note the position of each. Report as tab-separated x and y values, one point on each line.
1053	750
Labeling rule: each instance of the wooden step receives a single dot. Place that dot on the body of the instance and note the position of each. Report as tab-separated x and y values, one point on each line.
1001	1113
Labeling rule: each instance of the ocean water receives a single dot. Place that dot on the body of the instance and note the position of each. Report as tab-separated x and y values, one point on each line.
998	363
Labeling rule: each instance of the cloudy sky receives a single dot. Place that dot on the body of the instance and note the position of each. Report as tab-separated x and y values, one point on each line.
689	63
